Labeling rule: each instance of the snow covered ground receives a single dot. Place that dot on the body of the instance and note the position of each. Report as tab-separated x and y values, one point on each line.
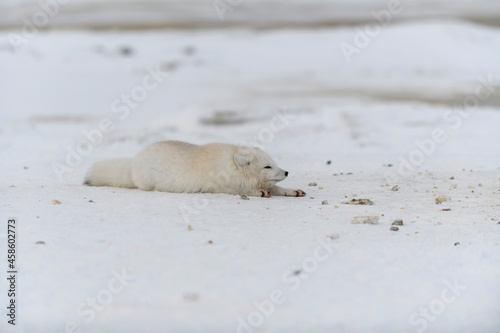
412	115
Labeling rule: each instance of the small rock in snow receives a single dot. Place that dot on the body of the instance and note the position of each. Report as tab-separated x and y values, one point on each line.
397	222
358	202
365	220
442	198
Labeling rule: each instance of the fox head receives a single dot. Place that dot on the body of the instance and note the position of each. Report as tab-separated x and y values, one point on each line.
255	163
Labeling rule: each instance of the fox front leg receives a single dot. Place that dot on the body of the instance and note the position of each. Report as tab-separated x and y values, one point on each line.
260	193
287	192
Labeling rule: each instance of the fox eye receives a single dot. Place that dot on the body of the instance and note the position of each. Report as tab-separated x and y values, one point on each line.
267	167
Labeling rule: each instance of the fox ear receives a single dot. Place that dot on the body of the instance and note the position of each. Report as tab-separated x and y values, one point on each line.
242	158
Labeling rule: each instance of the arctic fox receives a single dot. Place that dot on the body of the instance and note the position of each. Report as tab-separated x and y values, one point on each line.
180	167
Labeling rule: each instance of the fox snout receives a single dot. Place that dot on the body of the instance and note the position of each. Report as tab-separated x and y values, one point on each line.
281	174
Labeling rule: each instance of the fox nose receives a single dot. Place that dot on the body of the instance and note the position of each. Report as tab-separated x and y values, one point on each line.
286	173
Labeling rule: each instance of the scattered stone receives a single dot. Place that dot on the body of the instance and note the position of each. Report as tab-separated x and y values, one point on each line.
320	187
328	162
349	173
451	178
365	220
25	168
297	271
452	186
91	201
480	185
189	51
56	202
311	197
190	227
446	209
126	51
442	198
170	66
40	242
210	242
312	184
334	174
395	188
457	243
397	222
244	197
358	202
333	236
191	297
324	202
394	229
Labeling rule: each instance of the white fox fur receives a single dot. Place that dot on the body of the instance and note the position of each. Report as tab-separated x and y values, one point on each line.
174	166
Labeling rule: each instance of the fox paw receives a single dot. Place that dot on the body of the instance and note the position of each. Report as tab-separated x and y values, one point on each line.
265	193
296	193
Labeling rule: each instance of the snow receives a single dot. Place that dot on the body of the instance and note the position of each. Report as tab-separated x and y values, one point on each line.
199	262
